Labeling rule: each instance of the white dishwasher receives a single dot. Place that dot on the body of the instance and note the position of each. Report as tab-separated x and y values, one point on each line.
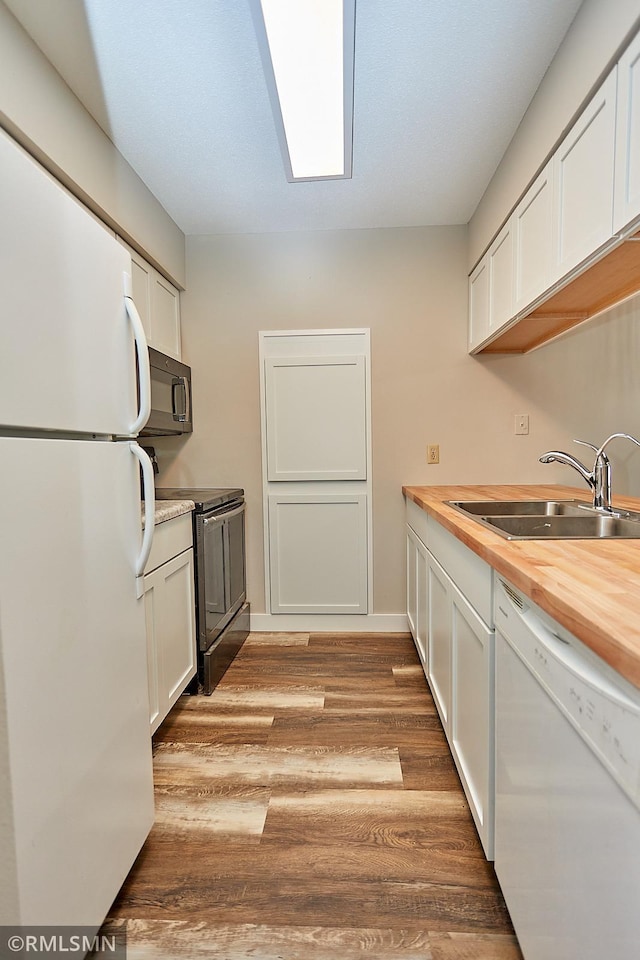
567	830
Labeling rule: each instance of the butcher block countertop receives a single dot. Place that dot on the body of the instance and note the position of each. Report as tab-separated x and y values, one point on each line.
591	587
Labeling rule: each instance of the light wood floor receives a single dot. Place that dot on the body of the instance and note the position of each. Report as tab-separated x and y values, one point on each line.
310	810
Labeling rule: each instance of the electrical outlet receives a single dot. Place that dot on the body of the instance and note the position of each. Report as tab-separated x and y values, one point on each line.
521	424
433	453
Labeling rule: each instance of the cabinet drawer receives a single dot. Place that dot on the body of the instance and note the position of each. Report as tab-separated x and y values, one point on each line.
472	576
417	519
170	538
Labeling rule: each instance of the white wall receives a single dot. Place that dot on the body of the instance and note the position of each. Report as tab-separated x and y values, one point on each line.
409	286
591	46
39	110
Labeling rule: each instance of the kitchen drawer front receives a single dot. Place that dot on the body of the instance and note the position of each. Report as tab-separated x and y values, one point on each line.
417	520
170	538
472	576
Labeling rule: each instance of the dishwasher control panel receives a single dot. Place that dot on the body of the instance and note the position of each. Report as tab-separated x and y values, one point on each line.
604	712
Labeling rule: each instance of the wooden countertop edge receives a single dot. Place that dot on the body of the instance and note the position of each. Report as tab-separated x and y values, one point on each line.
571	580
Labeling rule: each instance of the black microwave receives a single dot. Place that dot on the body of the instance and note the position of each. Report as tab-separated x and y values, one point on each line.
171	412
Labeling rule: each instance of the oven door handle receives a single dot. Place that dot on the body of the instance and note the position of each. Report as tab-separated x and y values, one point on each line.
218	518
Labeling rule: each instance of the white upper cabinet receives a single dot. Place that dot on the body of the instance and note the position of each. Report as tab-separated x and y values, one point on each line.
479	303
583	169
158	303
491	289
501	278
165	317
532	239
627	182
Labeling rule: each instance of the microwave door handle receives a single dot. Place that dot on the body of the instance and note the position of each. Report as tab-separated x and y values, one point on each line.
187	399
179	411
142	352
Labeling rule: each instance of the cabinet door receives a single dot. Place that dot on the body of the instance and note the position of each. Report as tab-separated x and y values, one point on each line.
318	553
583	182
439	639
158	303
412	582
533	240
501	279
472	725
141	277
422	597
627	181
479	304
171	640
165	307
316	418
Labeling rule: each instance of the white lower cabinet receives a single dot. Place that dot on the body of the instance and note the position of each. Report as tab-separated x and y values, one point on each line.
439	639
471	726
417	593
170	617
449	609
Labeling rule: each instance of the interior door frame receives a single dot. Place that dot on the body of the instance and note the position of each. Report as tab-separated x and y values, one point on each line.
316	343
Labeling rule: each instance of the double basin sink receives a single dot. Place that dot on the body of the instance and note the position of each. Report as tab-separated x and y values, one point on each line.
550	519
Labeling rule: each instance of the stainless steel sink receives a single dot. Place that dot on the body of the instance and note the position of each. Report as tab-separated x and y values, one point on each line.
522	508
593	527
550	519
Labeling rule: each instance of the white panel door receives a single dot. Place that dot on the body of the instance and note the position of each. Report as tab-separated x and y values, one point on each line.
583	182
171	633
500	258
533	240
316	418
479	303
165	303
627	182
412	583
75	748
67	358
439	640
318	546
472	726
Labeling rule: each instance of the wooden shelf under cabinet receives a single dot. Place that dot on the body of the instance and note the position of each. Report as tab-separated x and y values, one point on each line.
609	281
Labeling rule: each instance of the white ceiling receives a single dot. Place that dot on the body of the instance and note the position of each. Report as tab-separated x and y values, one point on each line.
440	87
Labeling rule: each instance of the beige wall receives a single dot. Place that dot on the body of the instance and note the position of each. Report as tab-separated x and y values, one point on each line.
39	109
599	30
409	287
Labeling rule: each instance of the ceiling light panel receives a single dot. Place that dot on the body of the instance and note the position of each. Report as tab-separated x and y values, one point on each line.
307	53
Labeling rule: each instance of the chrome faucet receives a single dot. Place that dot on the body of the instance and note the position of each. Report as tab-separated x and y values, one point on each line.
599	478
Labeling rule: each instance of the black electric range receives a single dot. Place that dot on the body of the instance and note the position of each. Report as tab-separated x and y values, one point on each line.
222	611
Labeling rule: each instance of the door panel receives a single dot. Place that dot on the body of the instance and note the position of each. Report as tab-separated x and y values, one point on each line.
316	418
318	553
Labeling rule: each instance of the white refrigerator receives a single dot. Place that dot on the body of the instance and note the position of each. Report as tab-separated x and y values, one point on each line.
76	799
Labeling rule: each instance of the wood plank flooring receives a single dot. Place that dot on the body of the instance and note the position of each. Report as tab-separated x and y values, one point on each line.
310	810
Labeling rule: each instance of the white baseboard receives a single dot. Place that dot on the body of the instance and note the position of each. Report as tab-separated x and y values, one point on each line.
329	623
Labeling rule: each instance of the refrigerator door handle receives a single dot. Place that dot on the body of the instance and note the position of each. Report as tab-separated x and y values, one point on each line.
142	352
149	514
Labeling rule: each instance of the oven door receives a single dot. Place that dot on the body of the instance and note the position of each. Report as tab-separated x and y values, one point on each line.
220	559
